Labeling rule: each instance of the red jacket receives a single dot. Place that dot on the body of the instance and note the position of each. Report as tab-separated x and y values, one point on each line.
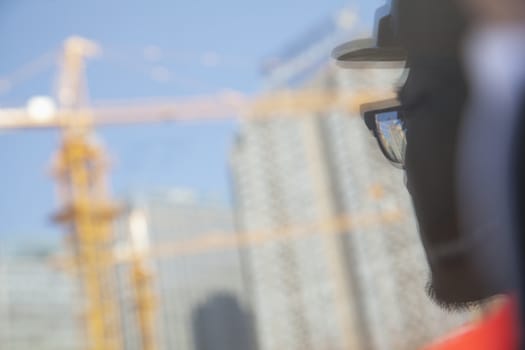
496	331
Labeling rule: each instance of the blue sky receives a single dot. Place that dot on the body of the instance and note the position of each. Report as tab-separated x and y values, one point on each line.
150	49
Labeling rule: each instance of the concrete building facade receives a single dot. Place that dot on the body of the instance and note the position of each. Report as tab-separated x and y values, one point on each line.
360	285
190	288
39	302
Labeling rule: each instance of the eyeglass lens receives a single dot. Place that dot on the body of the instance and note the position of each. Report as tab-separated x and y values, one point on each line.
391	134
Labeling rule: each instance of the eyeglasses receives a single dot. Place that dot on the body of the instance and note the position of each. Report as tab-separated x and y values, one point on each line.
385	120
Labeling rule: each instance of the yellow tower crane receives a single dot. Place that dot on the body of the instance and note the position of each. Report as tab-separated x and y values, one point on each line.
81	170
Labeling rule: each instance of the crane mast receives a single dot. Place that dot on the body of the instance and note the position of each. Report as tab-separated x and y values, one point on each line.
87	210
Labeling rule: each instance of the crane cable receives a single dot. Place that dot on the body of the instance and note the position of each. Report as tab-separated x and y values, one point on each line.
27	71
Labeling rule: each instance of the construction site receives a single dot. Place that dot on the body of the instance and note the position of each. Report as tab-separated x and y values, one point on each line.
313	247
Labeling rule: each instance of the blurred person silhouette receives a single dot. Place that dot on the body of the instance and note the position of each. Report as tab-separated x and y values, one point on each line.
457	129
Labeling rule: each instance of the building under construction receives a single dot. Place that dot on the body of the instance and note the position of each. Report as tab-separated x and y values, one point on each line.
359	285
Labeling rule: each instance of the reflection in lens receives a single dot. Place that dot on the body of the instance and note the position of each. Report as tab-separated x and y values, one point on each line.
391	134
